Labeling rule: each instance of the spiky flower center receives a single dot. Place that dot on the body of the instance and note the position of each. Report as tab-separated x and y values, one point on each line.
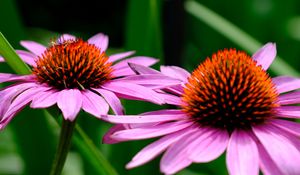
73	64
229	91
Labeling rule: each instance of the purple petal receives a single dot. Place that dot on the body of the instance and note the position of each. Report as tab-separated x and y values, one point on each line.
151	151
139	69
288	111
265	55
165	112
118	56
143	118
133	90
44	99
5	77
65	37
150	79
113	101
286	83
175	72
107	139
141	60
100	40
289	98
34	47
27	57
171	99
209	145
150	132
69	101
242	154
290	126
94	104
280	148
267	165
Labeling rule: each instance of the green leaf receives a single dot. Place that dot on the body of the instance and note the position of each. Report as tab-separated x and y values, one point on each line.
235	34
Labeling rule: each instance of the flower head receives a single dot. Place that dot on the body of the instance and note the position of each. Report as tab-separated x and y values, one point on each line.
229	103
73	74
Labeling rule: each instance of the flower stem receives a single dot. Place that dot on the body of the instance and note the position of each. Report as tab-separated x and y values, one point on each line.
63	146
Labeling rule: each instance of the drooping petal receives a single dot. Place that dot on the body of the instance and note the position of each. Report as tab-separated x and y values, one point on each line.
141	60
209	145
107	139
119	56
140	69
289	98
133	90
288	111
175	72
69	101
154	149
151	131
280	148
171	99
100	40
34	47
292	127
94	104
44	99
265	55
113	101
27	57
242	154
6	77
286	83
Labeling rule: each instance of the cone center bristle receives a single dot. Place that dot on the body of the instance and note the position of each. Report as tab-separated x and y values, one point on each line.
229	91
73	64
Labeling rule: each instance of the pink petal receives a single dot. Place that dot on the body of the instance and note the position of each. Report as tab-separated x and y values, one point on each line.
34	47
143	118
107	139
113	101
209	145
141	60
94	104
242	154
267	165
139	69
44	99
100	40
154	149
165	112
2	59
265	55
6	77
290	126
175	72
171	99
27	57
288	111
280	148
147	79
286	83
118	56
133	90
69	101
65	37
289	98
150	132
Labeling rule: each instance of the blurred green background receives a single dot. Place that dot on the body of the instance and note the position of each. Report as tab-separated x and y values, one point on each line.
179	32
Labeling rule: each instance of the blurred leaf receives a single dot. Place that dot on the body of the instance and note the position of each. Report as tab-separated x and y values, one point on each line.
236	35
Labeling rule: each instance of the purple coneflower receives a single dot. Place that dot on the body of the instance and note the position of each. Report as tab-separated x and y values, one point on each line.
73	74
228	103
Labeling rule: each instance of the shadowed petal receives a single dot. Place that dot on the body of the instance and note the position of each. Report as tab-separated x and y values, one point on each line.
94	104
6	77
107	139
175	72
154	149
141	60
288	111
265	55
34	47
139	69
286	83
113	101
290	126
100	40
289	98
242	154
44	99
280	148
69	101
27	57
118	56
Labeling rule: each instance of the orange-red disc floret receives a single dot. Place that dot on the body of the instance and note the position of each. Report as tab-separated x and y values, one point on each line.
73	64
229	91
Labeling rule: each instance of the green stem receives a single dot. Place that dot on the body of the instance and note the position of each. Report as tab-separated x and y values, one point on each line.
63	146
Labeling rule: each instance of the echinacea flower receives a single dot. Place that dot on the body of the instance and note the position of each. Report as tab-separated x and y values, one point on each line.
73	74
229	103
